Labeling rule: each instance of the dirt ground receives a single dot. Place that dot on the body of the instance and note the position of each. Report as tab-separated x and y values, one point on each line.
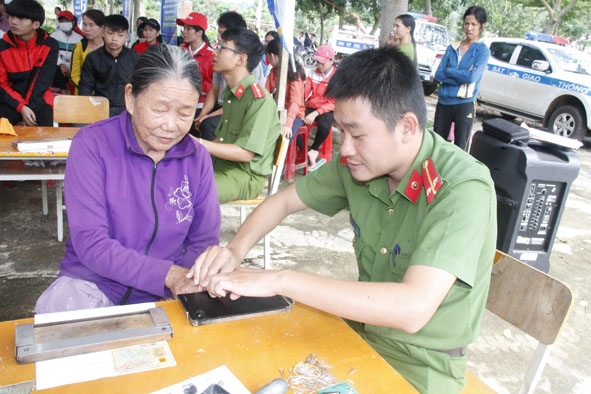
30	254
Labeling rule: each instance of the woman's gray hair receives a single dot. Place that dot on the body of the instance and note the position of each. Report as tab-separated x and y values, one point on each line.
163	62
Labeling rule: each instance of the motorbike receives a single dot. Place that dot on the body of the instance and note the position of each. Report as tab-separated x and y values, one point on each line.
305	55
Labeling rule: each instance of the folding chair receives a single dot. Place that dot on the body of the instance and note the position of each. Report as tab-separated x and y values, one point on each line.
272	187
76	110
532	301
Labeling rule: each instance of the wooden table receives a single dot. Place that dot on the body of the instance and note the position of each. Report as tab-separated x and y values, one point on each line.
25	133
255	350
13	167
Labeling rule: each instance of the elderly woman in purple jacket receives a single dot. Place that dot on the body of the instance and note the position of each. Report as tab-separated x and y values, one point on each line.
141	196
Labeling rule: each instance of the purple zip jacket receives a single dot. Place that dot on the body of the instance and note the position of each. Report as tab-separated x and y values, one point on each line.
131	219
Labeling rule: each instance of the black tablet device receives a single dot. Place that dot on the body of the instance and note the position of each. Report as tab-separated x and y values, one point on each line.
203	309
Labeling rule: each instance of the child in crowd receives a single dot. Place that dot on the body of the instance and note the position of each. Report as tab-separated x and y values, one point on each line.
67	39
28	56
137	36
319	109
92	24
151	34
294	97
196	42
105	72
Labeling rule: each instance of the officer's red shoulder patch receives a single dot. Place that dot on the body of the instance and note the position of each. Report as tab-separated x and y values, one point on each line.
431	179
257	91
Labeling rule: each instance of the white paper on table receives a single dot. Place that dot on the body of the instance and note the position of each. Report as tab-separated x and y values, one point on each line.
221	376
92	366
46	318
96	365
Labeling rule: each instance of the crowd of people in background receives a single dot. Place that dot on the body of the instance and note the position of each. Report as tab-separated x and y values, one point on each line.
100	59
196	125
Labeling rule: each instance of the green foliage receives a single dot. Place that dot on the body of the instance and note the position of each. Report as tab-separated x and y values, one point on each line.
509	18
575	25
48	28
506	18
211	8
318	16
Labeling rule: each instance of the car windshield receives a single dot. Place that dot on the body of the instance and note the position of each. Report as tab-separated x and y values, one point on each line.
571	60
431	35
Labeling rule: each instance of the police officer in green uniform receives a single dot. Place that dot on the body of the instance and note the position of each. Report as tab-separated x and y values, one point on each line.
248	130
424	216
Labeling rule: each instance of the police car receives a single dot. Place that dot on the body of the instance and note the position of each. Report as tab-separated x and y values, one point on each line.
539	78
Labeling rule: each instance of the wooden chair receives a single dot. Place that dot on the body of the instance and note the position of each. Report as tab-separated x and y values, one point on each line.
272	187
79	109
532	301
73	110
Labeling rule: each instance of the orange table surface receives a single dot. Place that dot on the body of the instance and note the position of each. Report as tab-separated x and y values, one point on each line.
254	349
25	133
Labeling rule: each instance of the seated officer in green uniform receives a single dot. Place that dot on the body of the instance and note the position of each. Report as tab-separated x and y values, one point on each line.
424	217
247	133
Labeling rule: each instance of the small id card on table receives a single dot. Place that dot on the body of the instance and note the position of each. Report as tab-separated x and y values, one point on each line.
142	357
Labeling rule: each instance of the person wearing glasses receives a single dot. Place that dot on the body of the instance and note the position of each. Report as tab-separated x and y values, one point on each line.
249	127
211	113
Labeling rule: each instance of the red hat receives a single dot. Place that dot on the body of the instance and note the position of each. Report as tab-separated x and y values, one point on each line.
193	19
324	53
66	14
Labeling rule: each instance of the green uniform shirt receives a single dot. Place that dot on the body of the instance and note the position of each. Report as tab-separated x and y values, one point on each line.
456	232
250	121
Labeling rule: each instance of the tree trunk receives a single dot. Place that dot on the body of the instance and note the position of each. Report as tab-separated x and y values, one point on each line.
555	13
136	12
551	27
428	8
390	10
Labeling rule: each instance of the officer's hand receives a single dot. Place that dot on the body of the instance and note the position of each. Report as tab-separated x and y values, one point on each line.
247	282
214	260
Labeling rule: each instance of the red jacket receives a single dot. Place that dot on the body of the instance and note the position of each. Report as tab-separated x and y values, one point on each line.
27	69
204	59
316	84
294	98
141	47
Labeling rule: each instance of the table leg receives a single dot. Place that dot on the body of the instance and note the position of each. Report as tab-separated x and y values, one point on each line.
59	188
44	196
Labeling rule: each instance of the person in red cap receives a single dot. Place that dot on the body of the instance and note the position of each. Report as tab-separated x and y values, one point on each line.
67	39
319	109
196	42
151	31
